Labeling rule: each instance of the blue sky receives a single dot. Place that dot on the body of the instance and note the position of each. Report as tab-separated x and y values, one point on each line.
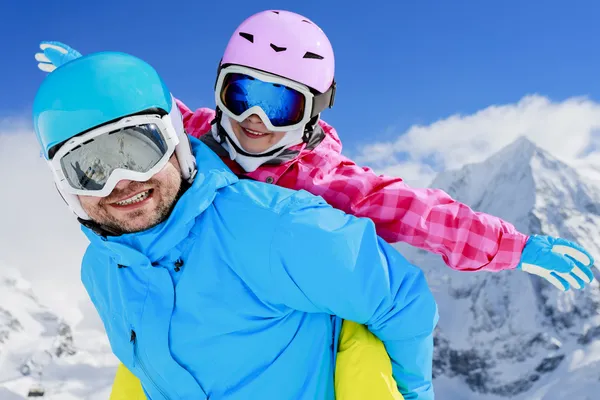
399	63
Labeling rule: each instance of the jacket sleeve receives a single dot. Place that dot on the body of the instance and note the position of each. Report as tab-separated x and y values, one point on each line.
196	123
425	218
323	260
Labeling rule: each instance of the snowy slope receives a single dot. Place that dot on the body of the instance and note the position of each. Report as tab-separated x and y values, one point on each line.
509	335
38	352
41	238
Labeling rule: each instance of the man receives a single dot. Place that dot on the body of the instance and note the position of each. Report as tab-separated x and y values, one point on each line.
208	286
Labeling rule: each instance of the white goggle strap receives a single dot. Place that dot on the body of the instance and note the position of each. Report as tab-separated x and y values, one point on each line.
72	201
183	150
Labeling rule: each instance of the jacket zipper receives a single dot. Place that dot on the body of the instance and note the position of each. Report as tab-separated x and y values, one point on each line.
143	366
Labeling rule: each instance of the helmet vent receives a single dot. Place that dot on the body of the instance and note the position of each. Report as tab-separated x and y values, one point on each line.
248	36
307	21
308	54
275	12
277	48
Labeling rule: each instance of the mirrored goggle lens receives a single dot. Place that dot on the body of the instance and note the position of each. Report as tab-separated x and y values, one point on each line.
283	106
89	165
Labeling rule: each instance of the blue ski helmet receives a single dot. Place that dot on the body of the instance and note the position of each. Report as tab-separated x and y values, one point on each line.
91	91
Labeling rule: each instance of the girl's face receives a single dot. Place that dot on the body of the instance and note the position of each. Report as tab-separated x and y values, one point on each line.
253	135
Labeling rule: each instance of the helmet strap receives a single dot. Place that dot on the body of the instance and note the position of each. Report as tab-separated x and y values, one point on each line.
321	101
98	229
309	128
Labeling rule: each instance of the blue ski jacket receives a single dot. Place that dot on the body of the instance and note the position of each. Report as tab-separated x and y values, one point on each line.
239	294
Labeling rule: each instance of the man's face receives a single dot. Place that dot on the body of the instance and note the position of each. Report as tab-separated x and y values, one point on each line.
137	206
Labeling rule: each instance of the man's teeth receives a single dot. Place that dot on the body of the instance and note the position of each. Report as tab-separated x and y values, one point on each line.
255	132
134	199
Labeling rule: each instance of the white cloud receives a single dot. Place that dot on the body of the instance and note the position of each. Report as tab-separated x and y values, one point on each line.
38	233
569	129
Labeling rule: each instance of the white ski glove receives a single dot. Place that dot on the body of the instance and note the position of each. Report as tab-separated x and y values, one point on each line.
55	54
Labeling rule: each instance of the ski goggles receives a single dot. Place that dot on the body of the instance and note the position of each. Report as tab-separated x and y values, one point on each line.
282	104
133	148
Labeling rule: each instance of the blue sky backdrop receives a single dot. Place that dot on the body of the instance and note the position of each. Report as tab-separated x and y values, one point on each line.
399	63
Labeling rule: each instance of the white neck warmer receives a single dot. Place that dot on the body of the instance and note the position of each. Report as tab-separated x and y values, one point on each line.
251	163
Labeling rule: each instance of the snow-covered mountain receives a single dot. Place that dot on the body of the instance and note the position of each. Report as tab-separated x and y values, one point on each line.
38	355
508	334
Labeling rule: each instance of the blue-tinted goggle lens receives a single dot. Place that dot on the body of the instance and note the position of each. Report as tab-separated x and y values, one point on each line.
283	106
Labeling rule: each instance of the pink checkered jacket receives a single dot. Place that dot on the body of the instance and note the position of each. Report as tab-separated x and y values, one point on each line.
425	218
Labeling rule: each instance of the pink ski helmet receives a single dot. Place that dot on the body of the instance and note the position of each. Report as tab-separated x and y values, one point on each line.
285	44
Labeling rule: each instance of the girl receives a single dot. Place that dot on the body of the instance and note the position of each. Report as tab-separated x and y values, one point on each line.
275	78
